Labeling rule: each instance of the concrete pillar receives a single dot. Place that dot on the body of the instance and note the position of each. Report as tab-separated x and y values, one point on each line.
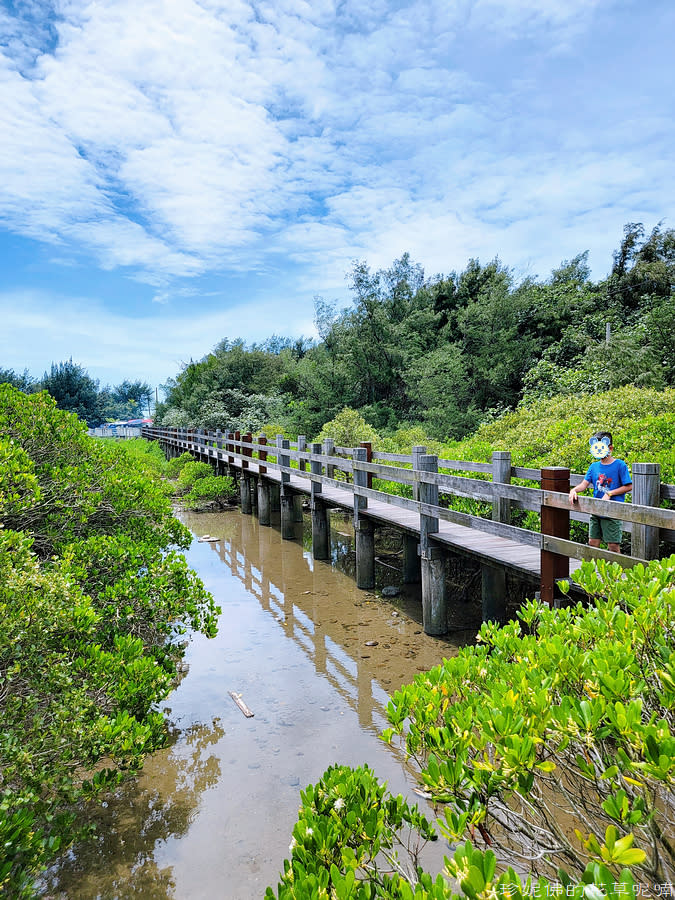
411	560
493	593
432	558
365	555
245	493
320	519
264	504
287	523
646	492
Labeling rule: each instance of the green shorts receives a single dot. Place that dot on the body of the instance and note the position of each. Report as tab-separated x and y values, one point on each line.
607	530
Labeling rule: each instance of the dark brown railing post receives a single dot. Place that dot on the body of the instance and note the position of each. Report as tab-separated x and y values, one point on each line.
369	458
262	454
555	522
246	451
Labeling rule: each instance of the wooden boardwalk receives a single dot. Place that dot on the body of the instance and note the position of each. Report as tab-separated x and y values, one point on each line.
522	559
431	527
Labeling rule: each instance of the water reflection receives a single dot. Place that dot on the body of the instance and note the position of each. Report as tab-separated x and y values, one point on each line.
121	861
315	659
296	591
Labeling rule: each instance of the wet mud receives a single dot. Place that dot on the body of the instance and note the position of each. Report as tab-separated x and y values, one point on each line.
315	659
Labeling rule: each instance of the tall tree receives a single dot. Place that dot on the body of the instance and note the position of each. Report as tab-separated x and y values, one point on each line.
73	390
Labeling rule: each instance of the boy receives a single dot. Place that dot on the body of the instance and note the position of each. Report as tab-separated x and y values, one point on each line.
610	480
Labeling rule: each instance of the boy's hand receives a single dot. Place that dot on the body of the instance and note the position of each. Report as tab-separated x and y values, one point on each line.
573	495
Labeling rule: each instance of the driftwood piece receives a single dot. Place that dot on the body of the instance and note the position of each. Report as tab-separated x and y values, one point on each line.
240	703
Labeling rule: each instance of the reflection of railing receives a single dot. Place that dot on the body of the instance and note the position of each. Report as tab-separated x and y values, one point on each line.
349	676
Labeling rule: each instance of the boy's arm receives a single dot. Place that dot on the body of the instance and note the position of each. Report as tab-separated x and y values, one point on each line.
578	489
624	489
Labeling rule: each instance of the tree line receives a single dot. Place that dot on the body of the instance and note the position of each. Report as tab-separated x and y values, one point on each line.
74	390
447	352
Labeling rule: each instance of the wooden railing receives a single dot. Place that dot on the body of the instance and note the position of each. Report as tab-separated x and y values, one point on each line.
337	466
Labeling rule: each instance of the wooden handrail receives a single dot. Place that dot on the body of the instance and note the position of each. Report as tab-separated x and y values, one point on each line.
530	498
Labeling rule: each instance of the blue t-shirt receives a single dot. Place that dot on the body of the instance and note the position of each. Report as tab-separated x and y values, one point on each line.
608	477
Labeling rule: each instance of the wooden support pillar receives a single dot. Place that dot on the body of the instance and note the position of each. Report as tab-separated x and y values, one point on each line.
297	508
411	560
646	492
363	529
555	522
501	474
320	520
432	558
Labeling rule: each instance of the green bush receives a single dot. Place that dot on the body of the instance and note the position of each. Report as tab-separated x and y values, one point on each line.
92	598
191	472
212	490
348	429
551	741
175	466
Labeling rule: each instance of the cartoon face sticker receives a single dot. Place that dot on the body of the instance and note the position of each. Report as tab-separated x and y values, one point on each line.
599	447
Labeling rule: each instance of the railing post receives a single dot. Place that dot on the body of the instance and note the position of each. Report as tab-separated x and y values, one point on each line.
302	447
646	492
432	558
219	447
320	521
369	458
501	474
246	451
417	453
554	522
262	454
363	529
287	526
328	449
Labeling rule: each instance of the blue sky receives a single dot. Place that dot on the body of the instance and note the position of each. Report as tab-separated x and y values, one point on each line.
174	172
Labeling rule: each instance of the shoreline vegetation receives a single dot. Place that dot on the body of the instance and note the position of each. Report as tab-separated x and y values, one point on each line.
95	600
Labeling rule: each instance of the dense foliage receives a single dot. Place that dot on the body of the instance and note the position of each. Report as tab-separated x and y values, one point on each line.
448	352
550	741
555	431
93	599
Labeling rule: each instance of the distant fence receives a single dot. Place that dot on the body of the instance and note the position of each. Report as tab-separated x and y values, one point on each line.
117	431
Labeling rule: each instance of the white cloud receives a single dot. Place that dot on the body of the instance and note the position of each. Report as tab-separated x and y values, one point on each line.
176	138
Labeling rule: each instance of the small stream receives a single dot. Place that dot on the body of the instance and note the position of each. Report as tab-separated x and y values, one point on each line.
211	815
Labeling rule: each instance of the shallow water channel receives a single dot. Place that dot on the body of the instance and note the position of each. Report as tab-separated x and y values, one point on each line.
211	815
